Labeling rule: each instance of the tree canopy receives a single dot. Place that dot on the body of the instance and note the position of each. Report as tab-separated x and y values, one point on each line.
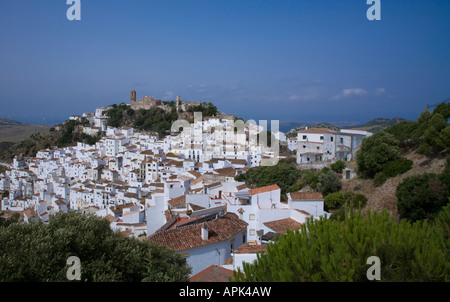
375	151
422	196
37	252
282	174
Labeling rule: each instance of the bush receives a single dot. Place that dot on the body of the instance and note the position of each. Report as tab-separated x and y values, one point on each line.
379	179
333	201
397	167
282	174
310	177
328	183
374	152
402	132
421	196
357	200
338	166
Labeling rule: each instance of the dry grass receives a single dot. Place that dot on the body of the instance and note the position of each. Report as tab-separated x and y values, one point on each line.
18	133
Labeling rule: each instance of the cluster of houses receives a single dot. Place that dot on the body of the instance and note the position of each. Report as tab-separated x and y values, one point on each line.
180	190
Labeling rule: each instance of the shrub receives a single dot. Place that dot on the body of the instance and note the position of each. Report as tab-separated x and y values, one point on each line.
310	177
334	201
421	196
374	152
379	179
357	200
338	166
282	174
397	167
328	183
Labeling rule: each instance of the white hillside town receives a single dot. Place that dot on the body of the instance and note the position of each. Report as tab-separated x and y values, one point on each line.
179	190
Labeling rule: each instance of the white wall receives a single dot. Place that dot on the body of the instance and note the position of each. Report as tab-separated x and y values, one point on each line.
239	259
202	257
155	214
314	207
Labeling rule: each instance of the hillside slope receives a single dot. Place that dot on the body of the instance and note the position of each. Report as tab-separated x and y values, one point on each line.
378	124
14	131
383	197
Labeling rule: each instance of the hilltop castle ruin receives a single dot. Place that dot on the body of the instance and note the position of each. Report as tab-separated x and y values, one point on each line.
149	102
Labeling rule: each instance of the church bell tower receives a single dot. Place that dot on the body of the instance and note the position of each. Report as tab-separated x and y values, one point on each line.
132	97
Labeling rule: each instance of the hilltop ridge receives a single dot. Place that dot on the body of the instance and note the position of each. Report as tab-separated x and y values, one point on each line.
378	124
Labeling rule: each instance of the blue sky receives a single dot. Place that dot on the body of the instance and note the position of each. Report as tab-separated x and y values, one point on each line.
307	61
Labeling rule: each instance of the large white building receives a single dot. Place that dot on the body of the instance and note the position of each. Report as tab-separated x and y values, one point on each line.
319	144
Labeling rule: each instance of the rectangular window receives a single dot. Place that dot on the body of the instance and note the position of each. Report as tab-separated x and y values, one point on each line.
332	138
305	136
321	138
251	217
252	232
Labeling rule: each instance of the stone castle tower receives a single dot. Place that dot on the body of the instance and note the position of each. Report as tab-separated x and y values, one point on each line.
132	98
178	103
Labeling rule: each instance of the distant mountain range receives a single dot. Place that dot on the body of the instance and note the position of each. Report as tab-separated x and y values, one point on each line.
378	124
7	122
373	126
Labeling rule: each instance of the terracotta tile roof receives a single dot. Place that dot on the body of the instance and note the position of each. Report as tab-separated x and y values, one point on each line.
250	249
212	273
227	171
212	185
194	173
178	201
281	225
304	212
243	187
263	189
195	207
306	196
189	236
238	161
198	180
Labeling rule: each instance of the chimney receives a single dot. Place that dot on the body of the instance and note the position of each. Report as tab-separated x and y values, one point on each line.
204	232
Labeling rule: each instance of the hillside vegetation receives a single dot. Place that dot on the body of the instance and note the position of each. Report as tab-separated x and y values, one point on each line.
155	119
404	173
66	134
378	124
399	156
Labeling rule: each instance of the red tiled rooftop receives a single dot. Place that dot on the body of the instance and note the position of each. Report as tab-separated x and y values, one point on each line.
263	189
250	249
178	200
280	226
306	196
212	273
189	236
